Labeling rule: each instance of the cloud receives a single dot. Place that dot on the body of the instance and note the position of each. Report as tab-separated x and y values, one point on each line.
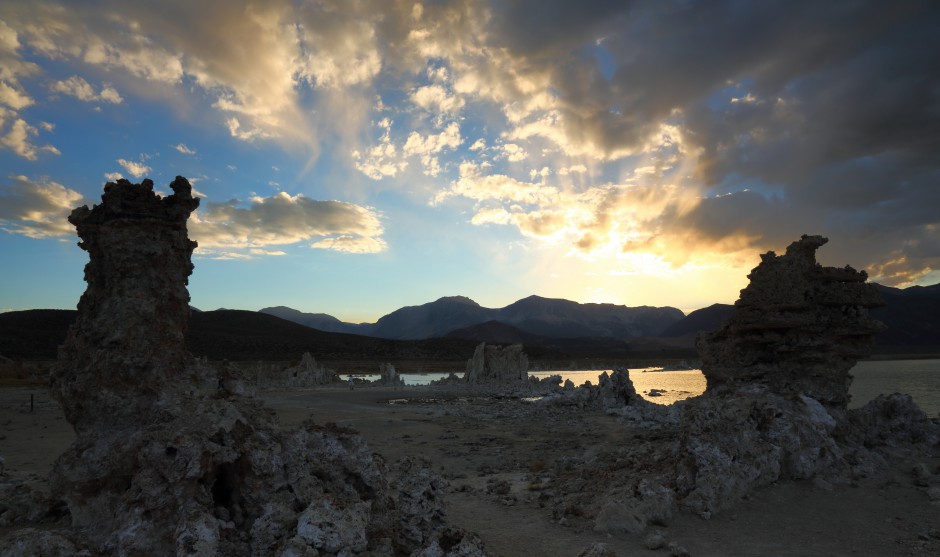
436	99
477	185
685	131
427	146
13	97
18	139
283	219
352	244
182	148
37	209
235	128
381	160
77	87
135	169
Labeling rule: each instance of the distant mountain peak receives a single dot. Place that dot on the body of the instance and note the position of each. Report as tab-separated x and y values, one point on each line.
458	299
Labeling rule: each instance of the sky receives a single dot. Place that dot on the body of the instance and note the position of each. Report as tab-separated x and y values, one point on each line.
357	156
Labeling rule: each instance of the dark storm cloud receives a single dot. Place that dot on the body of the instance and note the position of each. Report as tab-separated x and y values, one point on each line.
830	111
536	27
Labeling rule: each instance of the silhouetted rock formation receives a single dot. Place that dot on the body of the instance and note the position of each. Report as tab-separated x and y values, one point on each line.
160	469
774	408
492	364
308	373
778	382
799	327
124	352
389	375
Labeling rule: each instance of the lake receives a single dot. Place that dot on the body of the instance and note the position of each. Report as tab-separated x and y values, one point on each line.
918	378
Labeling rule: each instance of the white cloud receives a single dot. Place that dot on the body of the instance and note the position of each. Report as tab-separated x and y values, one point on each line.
474	184
427	146
17	139
135	169
235	128
380	160
113	176
338	54
37	209
79	88
352	244
182	148
513	152
573	169
282	219
436	99
13	97
109	94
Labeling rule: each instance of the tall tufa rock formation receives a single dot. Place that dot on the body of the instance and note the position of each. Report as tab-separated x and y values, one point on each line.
125	351
492	364
798	328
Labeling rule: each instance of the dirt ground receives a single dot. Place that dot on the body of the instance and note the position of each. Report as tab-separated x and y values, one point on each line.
495	454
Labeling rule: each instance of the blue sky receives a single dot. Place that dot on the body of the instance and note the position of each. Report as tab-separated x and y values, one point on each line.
356	157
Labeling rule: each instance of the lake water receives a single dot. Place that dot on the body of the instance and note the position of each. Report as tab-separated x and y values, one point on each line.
918	378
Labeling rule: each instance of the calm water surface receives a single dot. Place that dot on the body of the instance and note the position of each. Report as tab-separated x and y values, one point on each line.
918	378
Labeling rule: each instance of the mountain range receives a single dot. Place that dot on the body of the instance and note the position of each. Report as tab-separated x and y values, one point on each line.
447	330
546	317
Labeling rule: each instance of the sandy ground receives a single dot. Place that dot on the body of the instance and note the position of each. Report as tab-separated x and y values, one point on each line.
480	444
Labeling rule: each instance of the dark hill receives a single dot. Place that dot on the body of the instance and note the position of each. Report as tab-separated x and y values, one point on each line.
496	332
321	321
248	335
559	318
429	320
34	333
234	335
913	319
700	320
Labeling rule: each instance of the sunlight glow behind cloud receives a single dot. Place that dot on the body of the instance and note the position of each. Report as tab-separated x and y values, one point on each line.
628	135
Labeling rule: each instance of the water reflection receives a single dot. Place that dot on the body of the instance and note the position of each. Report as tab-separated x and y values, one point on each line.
918	378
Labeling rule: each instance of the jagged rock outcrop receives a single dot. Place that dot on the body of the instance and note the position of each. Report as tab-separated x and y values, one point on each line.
731	445
159	467
389	375
308	373
778	381
492	364
798	328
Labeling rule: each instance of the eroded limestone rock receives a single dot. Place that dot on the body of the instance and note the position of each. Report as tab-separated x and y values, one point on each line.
778	382
492	364
123	357
389	375
798	328
308	373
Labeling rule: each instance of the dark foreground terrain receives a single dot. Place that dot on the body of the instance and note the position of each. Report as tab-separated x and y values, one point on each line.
505	458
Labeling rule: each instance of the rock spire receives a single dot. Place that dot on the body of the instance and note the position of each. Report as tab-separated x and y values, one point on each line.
798	327
126	349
